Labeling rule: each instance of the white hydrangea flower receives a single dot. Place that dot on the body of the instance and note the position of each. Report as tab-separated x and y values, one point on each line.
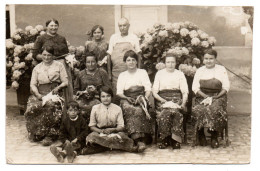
168	26
163	33
185	51
204	36
184	32
16	74
195	41
39	28
160	66
42	33
28	28
17	37
176	26
212	40
22	65
29	57
193	33
205	44
15	85
9	64
33	32
9	44
16	59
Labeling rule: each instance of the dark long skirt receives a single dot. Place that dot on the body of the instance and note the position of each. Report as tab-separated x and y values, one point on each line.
170	121
214	116
43	121
137	124
123	142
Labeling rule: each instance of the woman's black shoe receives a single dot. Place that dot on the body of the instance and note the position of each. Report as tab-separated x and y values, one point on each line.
202	138
214	139
175	145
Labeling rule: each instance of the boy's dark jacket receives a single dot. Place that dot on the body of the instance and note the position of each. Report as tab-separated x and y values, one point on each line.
69	130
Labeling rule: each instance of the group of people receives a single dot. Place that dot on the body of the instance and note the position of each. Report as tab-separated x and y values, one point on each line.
109	106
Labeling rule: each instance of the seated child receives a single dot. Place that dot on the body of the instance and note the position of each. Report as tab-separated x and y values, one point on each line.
107	126
73	132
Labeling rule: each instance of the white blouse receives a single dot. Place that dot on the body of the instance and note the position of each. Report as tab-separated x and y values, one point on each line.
117	38
219	72
127	80
170	81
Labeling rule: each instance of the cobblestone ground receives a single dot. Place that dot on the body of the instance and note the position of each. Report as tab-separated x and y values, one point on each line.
20	151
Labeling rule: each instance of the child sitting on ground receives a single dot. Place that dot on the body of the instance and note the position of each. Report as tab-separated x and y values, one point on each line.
73	132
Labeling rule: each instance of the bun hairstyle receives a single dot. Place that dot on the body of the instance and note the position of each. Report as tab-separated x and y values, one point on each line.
211	52
106	90
130	53
95	28
54	20
49	49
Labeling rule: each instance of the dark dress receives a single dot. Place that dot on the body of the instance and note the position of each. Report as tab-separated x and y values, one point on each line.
82	82
99	49
59	44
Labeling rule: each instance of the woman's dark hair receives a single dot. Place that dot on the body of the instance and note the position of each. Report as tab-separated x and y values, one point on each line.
54	20
49	49
170	55
90	54
130	53
211	52
106	90
73	104
95	28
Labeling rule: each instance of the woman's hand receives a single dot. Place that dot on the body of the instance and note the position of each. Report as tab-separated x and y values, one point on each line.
163	100
74	141
39	96
183	107
56	90
131	100
108	130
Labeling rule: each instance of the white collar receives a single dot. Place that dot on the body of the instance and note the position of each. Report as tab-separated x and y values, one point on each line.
75	118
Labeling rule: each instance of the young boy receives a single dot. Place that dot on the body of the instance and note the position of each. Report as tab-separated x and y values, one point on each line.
73	132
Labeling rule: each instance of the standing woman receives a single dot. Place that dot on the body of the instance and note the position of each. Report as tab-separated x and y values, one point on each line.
59	43
97	45
91	79
210	85
170	85
43	122
131	84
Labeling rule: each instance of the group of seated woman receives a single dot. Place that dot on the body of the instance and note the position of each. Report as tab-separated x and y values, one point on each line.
88	122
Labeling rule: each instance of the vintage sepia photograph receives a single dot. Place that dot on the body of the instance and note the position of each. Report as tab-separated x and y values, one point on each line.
128	84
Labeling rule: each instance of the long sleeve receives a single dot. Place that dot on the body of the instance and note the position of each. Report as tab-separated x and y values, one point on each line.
183	84
146	81
34	77
83	130
120	120
195	83
225	81
63	74
120	84
63	132
137	44
77	85
156	83
65	49
93	121
111	45
37	46
105	79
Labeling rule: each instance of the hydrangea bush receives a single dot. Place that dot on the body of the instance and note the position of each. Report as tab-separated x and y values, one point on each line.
19	60
183	39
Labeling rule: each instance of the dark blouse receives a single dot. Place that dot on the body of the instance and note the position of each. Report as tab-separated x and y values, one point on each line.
98	48
99	79
69	130
58	42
